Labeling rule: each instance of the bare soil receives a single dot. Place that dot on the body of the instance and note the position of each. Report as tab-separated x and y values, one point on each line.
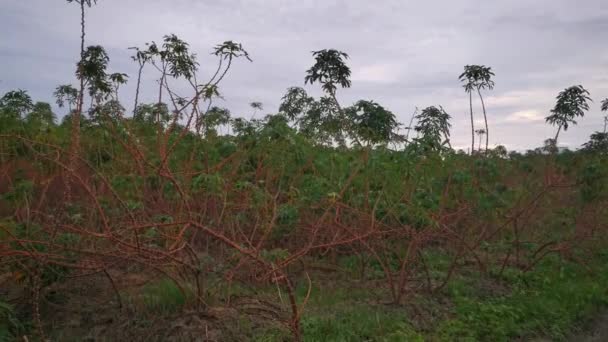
596	331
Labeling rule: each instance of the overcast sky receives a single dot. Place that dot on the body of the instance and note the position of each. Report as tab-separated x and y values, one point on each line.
403	53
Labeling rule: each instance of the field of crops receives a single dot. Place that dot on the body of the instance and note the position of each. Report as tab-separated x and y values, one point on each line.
316	223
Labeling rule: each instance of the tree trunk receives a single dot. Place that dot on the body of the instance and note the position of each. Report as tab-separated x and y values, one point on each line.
485	118
446	135
76	115
557	135
409	128
159	130
341	138
472	124
141	67
75	133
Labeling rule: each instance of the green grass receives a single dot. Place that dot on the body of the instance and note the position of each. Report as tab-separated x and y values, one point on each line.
164	296
9	324
359	323
550	301
547	302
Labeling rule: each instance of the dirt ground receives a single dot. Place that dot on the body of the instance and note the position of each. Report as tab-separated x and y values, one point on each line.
596	331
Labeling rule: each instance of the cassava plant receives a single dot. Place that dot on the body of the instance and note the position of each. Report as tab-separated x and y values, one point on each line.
571	103
331	71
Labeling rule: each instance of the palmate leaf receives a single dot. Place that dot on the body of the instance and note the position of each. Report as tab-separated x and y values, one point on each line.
65	94
434	125
92	68
477	77
604	105
119	78
372	122
330	70
85	2
230	50
571	103
17	101
295	103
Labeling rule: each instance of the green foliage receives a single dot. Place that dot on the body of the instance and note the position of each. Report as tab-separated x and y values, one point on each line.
274	255
10	327
92	68
41	117
547	301
330	70
210	184
65	94
109	111
230	50
175	55
276	177
598	143
593	180
433	124
477	77
212	119
359	324
372	123
148	113
16	103
20	193
287	215
164	296
295	103
571	103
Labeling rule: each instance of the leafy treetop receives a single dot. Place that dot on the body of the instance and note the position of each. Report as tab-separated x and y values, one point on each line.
330	70
477	77
571	103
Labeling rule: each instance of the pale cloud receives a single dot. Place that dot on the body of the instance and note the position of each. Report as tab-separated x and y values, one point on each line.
479	123
537	96
525	116
376	73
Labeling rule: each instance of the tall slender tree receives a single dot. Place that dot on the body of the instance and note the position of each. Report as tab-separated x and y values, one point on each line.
485	83
571	103
468	88
75	117
477	77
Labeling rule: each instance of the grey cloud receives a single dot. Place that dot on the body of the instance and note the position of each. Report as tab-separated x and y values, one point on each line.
403	54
